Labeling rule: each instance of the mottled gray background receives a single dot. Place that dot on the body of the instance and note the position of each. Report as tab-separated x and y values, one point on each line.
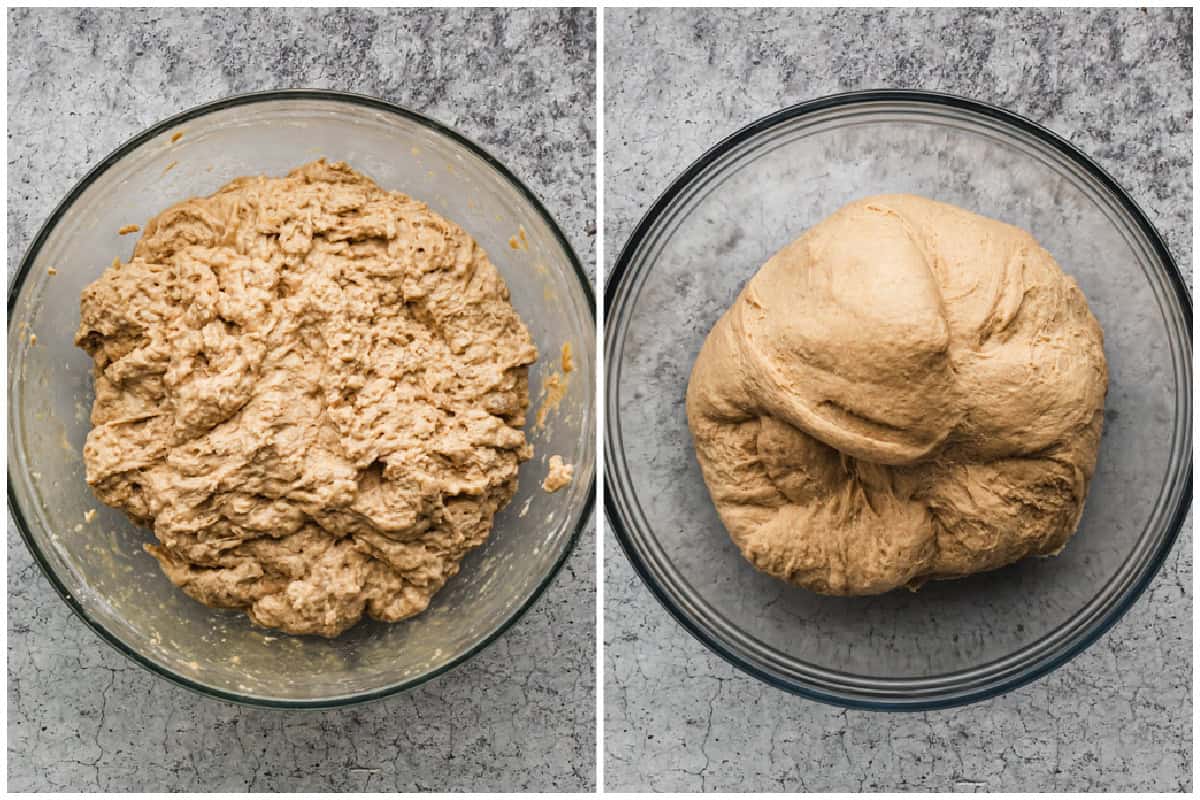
521	715
1117	84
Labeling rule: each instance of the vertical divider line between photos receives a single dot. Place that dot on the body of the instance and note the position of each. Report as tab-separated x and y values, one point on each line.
600	395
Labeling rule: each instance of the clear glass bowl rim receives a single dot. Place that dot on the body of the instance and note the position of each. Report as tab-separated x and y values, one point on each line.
248	99
865	99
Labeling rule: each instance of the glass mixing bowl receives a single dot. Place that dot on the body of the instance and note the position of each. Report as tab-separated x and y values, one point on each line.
100	567
954	641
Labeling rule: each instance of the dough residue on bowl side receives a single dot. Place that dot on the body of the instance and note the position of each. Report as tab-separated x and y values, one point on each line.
558	475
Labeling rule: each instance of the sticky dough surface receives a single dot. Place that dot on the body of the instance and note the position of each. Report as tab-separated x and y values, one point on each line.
909	391
312	391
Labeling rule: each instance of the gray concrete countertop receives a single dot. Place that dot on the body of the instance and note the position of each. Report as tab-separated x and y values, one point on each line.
1118	85
520	715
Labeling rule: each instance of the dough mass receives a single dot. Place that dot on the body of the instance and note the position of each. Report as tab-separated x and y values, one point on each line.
312	391
909	391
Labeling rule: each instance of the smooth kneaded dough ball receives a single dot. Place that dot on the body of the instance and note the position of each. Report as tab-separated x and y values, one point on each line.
312	390
907	392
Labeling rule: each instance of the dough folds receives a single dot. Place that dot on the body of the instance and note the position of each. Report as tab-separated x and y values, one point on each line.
312	391
907	392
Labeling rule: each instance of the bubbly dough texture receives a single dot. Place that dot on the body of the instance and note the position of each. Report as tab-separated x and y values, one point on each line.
909	391
312	391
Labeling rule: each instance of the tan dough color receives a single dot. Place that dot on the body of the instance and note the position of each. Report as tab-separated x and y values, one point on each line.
909	391
312	390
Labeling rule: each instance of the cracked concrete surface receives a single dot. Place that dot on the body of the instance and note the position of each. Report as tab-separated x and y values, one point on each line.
1117	83
520	715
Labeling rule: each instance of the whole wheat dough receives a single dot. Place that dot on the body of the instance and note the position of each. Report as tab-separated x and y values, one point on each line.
558	475
312	390
908	391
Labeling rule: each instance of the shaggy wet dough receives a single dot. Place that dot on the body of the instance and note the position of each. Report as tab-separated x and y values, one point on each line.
909	391
312	391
